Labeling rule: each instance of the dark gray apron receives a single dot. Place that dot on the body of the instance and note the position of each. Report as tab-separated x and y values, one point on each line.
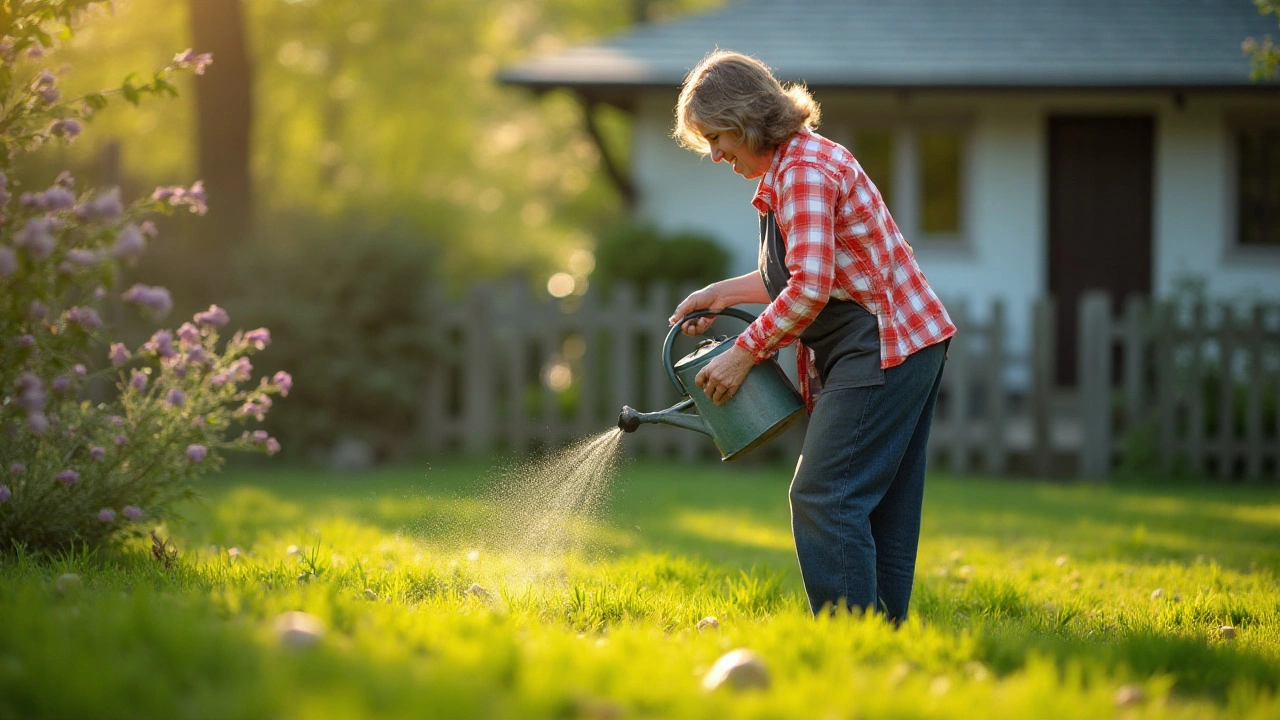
844	338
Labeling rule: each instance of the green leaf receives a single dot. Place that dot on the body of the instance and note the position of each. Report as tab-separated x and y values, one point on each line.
95	101
130	92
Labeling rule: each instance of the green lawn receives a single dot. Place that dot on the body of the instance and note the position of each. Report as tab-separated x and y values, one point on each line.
1032	601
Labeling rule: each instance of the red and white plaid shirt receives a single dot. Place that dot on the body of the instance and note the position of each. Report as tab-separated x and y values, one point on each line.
841	243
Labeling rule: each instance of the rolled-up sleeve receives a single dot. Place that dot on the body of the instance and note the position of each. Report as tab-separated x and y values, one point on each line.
805	207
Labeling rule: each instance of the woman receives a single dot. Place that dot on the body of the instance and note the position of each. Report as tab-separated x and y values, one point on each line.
839	278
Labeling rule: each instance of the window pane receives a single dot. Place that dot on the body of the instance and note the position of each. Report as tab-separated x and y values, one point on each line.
1258	153
940	174
874	151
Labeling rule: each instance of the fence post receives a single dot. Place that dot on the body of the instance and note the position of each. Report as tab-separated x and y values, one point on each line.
1166	383
1094	365
1195	391
1043	372
1134	340
1253	412
1226	394
995	455
478	399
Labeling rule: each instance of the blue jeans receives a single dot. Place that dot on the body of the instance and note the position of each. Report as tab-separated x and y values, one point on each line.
859	485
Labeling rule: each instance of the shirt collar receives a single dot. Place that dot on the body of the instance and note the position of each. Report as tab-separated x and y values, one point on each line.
763	198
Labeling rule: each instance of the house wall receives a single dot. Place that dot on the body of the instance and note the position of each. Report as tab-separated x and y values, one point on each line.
1002	251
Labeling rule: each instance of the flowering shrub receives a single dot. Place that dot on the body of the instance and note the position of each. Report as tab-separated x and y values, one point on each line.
73	471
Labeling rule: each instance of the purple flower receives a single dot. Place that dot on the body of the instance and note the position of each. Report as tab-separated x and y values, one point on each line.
35	52
260	436
132	512
176	397
148	229
119	354
196	356
56	198
214	316
5	494
115	420
198	421
130	243
36	237
120	439
196	453
161	343
138	381
252	408
37	311
284	381
188	333
156	298
61	383
97	453
242	368
30	392
107	515
65	127
8	261
37	423
26	340
273	446
78	369
16	469
222	378
193	198
86	318
67	477
82	257
65	180
189	58
45	79
259	338
104	206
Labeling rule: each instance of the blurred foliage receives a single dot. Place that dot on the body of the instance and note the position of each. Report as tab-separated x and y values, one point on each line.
380	106
1264	54
345	304
642	254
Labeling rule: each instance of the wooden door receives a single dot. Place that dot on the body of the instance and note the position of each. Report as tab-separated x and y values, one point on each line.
1100	181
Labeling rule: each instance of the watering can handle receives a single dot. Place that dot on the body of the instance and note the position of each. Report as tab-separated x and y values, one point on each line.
670	364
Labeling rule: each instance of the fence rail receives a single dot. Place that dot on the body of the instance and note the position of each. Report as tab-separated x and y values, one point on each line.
1181	388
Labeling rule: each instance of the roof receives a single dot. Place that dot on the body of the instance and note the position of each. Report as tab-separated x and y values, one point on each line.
932	44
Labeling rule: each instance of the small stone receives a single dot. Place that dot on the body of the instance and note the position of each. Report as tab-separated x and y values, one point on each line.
369	594
478	592
67	583
708	623
1157	593
738	669
1226	632
1062	560
292	550
298	629
1177	597
233	554
1129	695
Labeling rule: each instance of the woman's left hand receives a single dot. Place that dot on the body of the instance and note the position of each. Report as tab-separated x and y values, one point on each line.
722	377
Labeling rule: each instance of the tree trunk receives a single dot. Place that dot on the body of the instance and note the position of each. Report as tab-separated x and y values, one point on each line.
224	108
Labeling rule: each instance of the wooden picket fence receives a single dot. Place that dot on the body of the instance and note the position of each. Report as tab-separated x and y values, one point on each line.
517	371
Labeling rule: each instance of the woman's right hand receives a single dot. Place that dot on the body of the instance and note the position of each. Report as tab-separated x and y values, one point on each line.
708	298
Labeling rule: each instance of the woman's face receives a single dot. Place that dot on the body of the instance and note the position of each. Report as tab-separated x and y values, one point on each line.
728	146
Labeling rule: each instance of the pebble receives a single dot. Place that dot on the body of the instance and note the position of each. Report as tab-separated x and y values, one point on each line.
369	594
1157	593
708	623
298	629
1129	695
67	583
478	592
1226	632
739	669
292	550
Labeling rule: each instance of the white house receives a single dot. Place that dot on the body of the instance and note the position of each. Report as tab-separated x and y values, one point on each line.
1026	147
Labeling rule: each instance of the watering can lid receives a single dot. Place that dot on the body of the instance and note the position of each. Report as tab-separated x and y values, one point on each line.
706	350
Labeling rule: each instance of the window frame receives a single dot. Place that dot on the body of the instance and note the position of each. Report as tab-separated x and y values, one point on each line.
907	188
1234	250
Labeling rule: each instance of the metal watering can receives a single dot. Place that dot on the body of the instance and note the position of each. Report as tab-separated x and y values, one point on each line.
765	404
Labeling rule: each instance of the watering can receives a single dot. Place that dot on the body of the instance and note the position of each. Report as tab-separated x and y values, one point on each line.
766	403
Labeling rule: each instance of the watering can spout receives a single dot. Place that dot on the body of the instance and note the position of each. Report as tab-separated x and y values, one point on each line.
630	419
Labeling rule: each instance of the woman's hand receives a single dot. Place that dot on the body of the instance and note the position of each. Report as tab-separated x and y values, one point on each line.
722	377
708	298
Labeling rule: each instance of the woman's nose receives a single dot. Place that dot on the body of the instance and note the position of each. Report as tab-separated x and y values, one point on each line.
716	155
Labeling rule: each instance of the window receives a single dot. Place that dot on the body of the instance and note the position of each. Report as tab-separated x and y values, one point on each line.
919	168
1258	186
874	150
940	182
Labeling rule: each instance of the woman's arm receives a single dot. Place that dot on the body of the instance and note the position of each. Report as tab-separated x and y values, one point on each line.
747	288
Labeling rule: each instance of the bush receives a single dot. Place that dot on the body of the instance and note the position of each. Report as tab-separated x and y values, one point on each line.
76	471
643	255
346	301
